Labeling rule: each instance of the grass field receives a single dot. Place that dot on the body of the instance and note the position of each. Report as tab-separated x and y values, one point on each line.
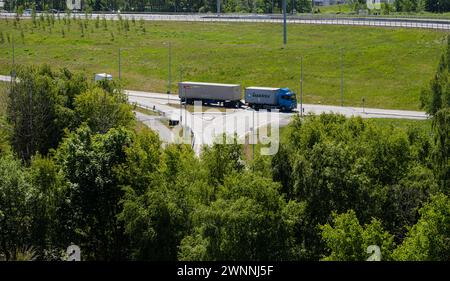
403	123
388	67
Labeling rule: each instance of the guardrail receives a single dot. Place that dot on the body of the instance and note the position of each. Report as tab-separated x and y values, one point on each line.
427	17
396	22
279	15
161	113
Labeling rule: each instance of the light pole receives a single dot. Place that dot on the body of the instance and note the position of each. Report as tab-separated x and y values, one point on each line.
13	66
301	86
363	101
169	82
253	134
342	77
284	24
185	107
180	94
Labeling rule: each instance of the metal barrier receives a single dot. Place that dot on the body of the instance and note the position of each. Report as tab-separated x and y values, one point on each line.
161	113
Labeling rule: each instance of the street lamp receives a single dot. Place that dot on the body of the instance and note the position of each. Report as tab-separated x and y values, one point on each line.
342	77
13	65
363	103
253	134
284	24
169	82
301	86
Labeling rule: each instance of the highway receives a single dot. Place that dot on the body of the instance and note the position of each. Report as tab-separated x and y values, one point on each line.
377	21
145	97
207	126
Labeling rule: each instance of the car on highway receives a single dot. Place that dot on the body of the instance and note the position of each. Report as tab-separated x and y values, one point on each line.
27	12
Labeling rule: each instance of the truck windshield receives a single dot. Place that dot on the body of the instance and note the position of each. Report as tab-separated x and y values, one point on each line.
288	97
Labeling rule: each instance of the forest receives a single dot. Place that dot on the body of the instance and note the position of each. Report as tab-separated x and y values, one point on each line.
77	168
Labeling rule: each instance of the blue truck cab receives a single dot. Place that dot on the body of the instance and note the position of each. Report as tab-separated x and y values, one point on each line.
286	99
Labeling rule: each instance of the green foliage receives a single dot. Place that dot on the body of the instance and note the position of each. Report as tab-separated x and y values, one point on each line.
40	107
15	213
386	8
49	184
103	110
246	222
32	110
410	5
429	239
347	240
88	162
143	160
335	164
222	158
154	221
437	6
441	126
437	96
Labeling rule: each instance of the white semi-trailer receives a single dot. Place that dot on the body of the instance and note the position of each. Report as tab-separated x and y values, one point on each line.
228	95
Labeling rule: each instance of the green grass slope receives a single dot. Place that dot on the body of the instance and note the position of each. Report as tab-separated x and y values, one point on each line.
388	67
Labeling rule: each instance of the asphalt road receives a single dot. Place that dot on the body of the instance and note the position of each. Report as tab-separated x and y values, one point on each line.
348	111
209	125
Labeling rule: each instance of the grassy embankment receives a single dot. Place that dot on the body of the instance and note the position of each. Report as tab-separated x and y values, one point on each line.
386	66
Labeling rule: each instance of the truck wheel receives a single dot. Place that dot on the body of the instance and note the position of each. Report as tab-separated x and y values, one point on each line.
283	109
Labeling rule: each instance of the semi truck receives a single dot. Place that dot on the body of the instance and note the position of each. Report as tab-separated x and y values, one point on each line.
270	98
227	95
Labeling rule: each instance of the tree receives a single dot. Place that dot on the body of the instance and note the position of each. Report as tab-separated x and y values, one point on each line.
142	161
222	159
40	107
155	207
437	96
429	238
89	162
154	221
335	164
49	184
441	127
103	110
32	112
246	222
347	240
16	215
